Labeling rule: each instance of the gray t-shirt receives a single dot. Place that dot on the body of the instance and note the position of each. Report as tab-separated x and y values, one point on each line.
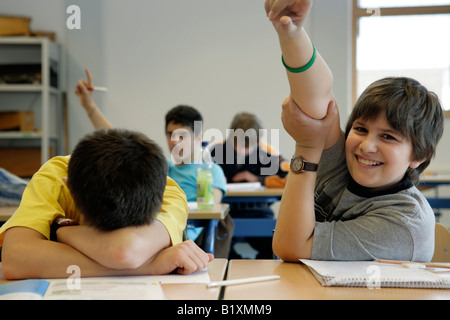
354	223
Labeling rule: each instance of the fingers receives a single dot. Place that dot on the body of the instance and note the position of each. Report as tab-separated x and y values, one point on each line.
274	8
89	78
332	111
81	88
194	258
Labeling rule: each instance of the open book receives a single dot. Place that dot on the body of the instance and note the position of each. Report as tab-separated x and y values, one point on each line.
89	289
97	288
372	274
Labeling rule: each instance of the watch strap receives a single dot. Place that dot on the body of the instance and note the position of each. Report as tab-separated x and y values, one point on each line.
308	166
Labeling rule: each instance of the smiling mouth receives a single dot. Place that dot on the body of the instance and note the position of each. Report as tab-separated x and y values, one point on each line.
368	162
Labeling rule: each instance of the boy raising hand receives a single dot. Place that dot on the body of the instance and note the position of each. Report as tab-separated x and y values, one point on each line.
351	195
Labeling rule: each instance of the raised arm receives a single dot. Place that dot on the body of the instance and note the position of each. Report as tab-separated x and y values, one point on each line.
311	88
84	91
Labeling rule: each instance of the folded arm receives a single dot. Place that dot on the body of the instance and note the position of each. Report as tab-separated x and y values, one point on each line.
28	254
118	249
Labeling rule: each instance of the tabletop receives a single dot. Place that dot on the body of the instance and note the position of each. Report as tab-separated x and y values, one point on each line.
219	211
298	283
260	192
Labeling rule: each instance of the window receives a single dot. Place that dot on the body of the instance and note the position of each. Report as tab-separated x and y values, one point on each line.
402	38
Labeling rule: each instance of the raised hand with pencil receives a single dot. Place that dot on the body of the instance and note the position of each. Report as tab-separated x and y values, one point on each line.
84	91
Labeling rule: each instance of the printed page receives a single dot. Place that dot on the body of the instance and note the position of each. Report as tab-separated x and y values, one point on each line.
118	288
106	288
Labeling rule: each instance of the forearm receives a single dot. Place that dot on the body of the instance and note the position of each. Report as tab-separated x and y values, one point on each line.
126	248
311	89
27	254
294	230
96	116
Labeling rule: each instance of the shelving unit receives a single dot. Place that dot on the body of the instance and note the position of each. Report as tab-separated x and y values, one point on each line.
43	97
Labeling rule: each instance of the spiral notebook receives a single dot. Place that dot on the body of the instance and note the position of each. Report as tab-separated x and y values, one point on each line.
372	274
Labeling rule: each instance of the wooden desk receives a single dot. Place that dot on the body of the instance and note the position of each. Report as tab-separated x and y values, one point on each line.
188	291
260	192
298	283
219	211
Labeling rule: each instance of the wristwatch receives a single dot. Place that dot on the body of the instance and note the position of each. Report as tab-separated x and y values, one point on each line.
300	165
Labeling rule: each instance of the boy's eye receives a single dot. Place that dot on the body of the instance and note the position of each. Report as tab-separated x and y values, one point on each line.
360	129
389	137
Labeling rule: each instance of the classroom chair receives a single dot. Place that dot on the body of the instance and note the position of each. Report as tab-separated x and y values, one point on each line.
442	244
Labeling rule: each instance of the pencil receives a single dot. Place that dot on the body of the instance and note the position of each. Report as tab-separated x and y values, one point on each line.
241	281
96	88
428	265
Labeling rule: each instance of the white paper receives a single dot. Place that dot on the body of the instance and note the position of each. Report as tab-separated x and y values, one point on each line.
105	288
244	186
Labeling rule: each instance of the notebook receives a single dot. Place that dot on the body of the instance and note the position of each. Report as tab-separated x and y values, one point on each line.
372	274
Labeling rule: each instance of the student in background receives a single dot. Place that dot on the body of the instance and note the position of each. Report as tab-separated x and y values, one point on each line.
109	209
183	141
11	188
179	126
244	157
356	198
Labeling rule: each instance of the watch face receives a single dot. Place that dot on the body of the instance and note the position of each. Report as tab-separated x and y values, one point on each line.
296	164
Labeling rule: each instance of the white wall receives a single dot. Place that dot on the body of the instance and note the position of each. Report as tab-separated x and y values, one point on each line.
222	57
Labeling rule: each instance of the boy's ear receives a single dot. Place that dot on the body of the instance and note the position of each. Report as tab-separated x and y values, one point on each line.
416	163
64	179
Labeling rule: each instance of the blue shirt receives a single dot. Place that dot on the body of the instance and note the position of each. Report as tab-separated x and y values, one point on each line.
186	177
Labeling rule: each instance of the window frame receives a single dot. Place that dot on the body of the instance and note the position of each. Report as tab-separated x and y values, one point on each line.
359	12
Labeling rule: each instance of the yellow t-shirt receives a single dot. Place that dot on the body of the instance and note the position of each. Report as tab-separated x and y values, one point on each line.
47	197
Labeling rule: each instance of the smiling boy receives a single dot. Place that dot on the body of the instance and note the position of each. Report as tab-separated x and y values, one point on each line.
355	197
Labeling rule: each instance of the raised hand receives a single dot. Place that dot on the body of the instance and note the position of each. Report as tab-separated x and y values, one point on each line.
287	15
84	91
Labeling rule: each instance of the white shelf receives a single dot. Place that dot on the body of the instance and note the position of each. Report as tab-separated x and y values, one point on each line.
43	51
20	135
24	88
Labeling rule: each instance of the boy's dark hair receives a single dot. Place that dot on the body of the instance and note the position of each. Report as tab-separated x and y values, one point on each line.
246	121
117	178
411	110
184	115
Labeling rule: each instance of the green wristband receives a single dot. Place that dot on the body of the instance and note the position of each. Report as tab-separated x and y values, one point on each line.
304	68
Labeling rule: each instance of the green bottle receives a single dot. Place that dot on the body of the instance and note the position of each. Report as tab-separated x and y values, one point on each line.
205	183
